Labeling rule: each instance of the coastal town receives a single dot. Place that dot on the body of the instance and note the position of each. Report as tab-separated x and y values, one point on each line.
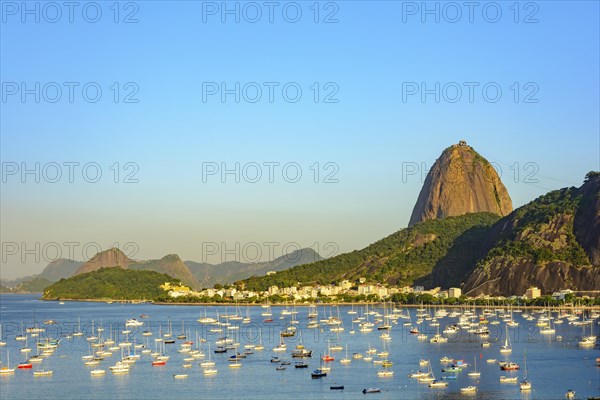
345	289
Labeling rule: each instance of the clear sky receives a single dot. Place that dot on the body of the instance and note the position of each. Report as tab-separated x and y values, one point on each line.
384	89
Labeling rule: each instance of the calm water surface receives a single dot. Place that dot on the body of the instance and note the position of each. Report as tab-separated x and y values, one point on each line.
553	366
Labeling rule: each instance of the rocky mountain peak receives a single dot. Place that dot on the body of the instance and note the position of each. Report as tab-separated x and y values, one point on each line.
112	257
460	182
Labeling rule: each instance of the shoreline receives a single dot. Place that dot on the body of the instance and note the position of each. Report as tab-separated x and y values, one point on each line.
332	304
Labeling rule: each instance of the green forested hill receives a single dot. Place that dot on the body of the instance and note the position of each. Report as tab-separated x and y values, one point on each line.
110	283
400	258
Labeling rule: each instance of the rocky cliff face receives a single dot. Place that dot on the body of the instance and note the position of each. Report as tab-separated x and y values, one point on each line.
552	243
460	182
587	218
108	258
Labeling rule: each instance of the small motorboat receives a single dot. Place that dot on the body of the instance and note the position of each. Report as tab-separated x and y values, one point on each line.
438	384
468	389
280	368
318	373
449	377
97	372
42	372
371	390
570	394
525	385
339	387
180	376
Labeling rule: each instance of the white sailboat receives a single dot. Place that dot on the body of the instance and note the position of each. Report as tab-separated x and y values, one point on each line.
346	360
78	332
506	348
208	363
474	373
525	385
7	369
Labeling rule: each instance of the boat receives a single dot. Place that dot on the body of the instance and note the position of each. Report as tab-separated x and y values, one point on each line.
133	322
346	360
570	394
371	390
327	357
25	365
43	372
506	347
508	379
418	374
525	385
438	384
339	387
425	377
180	376
509	366
209	371
452	368
5	370
97	372
301	365
437	338
385	373
318	373
474	373
468	389
300	353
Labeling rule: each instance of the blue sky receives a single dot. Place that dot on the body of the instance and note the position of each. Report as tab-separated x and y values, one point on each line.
365	62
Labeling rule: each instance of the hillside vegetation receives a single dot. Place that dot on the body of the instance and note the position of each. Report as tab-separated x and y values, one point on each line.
110	283
398	259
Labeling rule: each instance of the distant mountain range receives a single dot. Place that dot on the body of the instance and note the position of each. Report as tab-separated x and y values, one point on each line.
54	271
193	274
228	272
